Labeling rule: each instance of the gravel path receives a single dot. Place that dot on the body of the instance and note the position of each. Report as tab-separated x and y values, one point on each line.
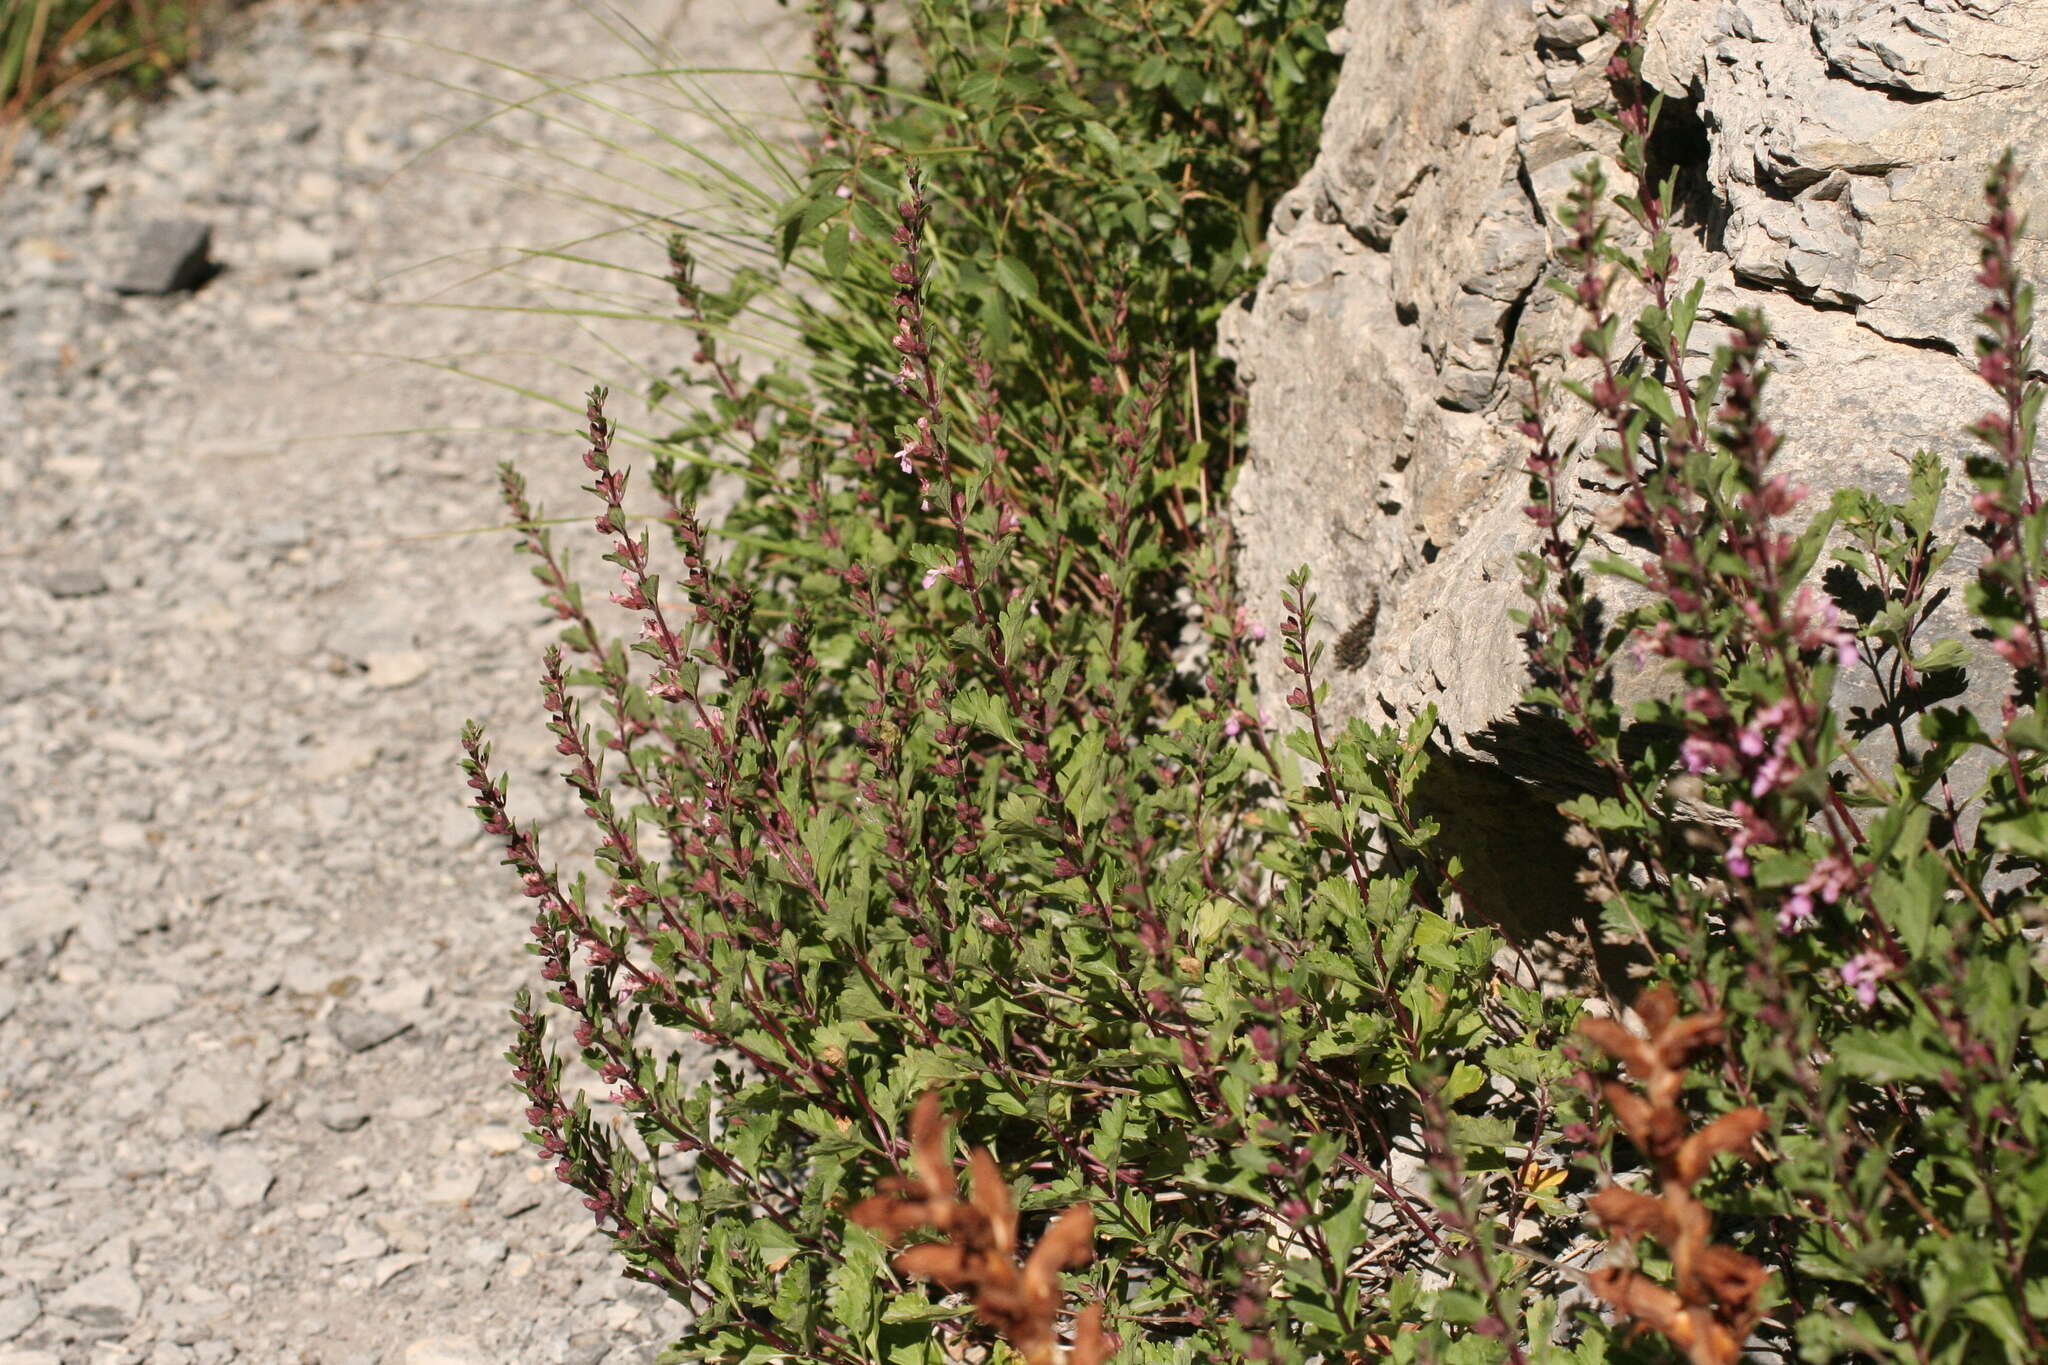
254	960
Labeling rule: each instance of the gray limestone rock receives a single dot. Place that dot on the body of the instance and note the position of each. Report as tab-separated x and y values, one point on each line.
242	1180
78	582
130	1006
215	1096
19	1308
171	256
1830	155
444	1350
109	1298
359	1030
343	1116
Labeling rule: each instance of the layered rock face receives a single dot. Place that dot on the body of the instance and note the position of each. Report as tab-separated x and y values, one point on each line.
1830	158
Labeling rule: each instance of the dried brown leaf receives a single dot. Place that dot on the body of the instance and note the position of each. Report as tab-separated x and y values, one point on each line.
928	1124
1732	1132
1090	1346
978	1256
1068	1244
1714	1302
1657	1007
991	1197
944	1262
1642	1298
1684	1039
1618	1043
1734	1281
1632	1214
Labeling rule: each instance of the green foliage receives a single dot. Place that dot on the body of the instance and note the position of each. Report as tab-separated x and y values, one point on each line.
1865	918
937	763
49	48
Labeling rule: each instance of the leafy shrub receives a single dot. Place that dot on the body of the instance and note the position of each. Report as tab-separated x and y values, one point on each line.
939	766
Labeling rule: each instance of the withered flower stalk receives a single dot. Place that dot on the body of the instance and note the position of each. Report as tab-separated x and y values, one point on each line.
1712	1303
979	1254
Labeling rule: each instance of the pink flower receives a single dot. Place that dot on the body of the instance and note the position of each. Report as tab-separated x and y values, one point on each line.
630	599
1703	754
1755	830
1862	973
1831	876
2018	649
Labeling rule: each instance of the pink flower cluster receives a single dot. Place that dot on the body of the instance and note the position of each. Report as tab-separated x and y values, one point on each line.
1862	973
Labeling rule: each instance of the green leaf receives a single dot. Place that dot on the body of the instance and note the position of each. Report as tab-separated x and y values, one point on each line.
1885	1057
838	246
1465	1078
1015	278
2026	834
1945	654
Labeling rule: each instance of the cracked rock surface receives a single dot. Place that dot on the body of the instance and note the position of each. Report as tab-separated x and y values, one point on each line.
1830	156
254	960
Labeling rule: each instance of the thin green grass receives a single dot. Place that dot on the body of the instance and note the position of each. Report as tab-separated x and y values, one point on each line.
52	50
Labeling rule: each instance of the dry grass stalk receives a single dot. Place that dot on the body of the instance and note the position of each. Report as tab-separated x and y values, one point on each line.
1712	1303
979	1254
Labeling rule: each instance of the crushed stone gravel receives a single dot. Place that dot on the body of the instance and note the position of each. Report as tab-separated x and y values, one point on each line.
255	960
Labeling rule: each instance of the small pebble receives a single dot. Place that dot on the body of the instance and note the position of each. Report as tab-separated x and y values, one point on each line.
242	1180
68	583
359	1030
343	1116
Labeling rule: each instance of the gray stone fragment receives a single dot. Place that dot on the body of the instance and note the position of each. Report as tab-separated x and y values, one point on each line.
358	1243
287	534
341	756
390	670
418	1106
298	250
343	1116
360	1030
241	1179
171	255
446	1350
67	583
128	1007
402	998
389	1269
214	1096
36	917
107	1299
19	1308
454	1183
519	1196
485	1251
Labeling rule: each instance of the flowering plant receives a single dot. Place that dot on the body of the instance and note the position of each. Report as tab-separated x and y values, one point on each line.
1859	903
938	768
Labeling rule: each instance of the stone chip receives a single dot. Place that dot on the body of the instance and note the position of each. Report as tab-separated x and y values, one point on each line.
359	1030
106	1299
171	256
214	1096
242	1180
